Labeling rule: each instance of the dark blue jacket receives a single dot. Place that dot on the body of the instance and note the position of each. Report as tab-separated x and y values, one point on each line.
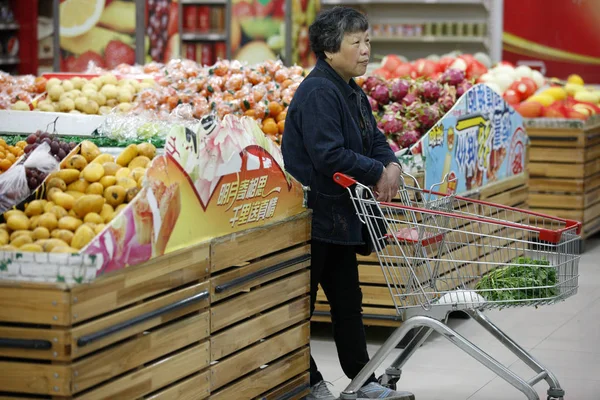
329	128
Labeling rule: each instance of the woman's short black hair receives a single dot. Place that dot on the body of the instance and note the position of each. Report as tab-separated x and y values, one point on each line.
328	30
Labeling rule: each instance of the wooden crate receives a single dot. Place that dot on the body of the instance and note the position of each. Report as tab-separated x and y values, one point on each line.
564	169
260	307
222	317
378	305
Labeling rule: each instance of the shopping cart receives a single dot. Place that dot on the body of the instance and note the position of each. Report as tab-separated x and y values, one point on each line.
442	253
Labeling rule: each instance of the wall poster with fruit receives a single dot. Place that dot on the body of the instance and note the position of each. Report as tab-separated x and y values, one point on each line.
162	31
479	141
98	31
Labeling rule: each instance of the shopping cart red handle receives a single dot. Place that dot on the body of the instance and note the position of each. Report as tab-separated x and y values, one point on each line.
344	180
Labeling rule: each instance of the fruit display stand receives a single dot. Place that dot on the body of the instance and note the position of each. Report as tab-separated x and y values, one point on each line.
564	169
198	288
480	144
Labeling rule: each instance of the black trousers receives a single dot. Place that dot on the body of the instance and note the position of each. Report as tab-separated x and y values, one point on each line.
336	269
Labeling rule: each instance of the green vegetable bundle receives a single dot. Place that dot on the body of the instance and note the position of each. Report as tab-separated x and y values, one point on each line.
100	141
508	283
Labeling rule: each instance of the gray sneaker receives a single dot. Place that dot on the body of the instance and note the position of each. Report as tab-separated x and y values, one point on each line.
320	391
375	391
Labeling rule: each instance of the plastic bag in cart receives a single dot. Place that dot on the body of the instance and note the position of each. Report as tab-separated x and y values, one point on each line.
13	183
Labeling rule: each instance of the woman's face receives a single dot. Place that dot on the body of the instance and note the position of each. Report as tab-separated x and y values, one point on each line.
352	58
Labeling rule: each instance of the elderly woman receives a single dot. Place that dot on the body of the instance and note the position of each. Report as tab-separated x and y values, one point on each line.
329	128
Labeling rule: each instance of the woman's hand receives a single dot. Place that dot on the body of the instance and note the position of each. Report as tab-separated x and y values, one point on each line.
387	186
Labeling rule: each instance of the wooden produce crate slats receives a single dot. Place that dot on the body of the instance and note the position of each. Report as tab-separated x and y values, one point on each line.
240	247
257	328
35	306
154	376
261	381
25	377
195	388
562	137
258	272
496	188
233	310
141	281
553	170
295	389
99	333
140	350
564	155
564	200
511	197
557	185
260	354
55	343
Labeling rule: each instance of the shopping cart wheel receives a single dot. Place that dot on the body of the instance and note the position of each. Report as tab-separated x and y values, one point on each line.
556	394
390	381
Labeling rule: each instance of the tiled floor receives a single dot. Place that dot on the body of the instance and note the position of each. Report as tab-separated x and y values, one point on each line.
565	337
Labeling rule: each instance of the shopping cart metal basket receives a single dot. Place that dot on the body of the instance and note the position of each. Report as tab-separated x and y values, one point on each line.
442	253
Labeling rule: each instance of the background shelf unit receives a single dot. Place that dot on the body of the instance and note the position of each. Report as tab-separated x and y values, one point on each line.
486	13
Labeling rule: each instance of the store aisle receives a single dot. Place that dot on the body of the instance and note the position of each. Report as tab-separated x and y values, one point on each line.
564	336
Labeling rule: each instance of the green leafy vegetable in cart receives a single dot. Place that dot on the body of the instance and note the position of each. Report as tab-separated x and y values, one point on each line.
523	279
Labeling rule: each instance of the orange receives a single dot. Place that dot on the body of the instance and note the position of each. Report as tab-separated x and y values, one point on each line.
22	144
281	116
274	109
285	84
14	150
250	113
270	128
268	119
4	165
280	126
2	143
11	157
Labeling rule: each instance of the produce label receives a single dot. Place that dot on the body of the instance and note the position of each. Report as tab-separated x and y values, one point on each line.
479	141
215	179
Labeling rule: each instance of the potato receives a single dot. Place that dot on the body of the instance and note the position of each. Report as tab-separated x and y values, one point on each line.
95	188
72	213
77	162
127	183
91	107
139	162
93	172
78	82
51	192
93	218
74	194
48	221
52	82
131	193
107	212
112	103
68	175
99	228
52	243
80	185
115	195
33	221
127	155
66	105
137	173
103	158
64	200
11	213
4	226
31	247
80	102
108	180
120	208
48	206
57	183
46	108
63	234
89	203
70	223
67	95
83	235
64	249
21	222
97	81
124	107
67	85
98	98
123	173
4	238
147	150
36	207
58	211
21	240
89	150
55	92
8	247
16	234
41	232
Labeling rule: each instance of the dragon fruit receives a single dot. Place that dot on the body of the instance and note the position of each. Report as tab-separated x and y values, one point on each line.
408	138
411	125
452	76
393	107
399	89
446	103
463	87
392	126
373	103
429	116
430	90
381	94
409	99
372	82
393	145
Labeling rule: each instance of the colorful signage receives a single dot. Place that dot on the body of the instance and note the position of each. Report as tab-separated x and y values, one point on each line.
481	140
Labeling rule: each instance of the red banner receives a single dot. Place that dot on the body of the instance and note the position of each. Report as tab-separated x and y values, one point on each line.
562	38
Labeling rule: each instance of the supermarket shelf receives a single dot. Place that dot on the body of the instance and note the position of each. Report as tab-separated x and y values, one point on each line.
11	26
9	60
209	37
430	39
203	2
337	2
